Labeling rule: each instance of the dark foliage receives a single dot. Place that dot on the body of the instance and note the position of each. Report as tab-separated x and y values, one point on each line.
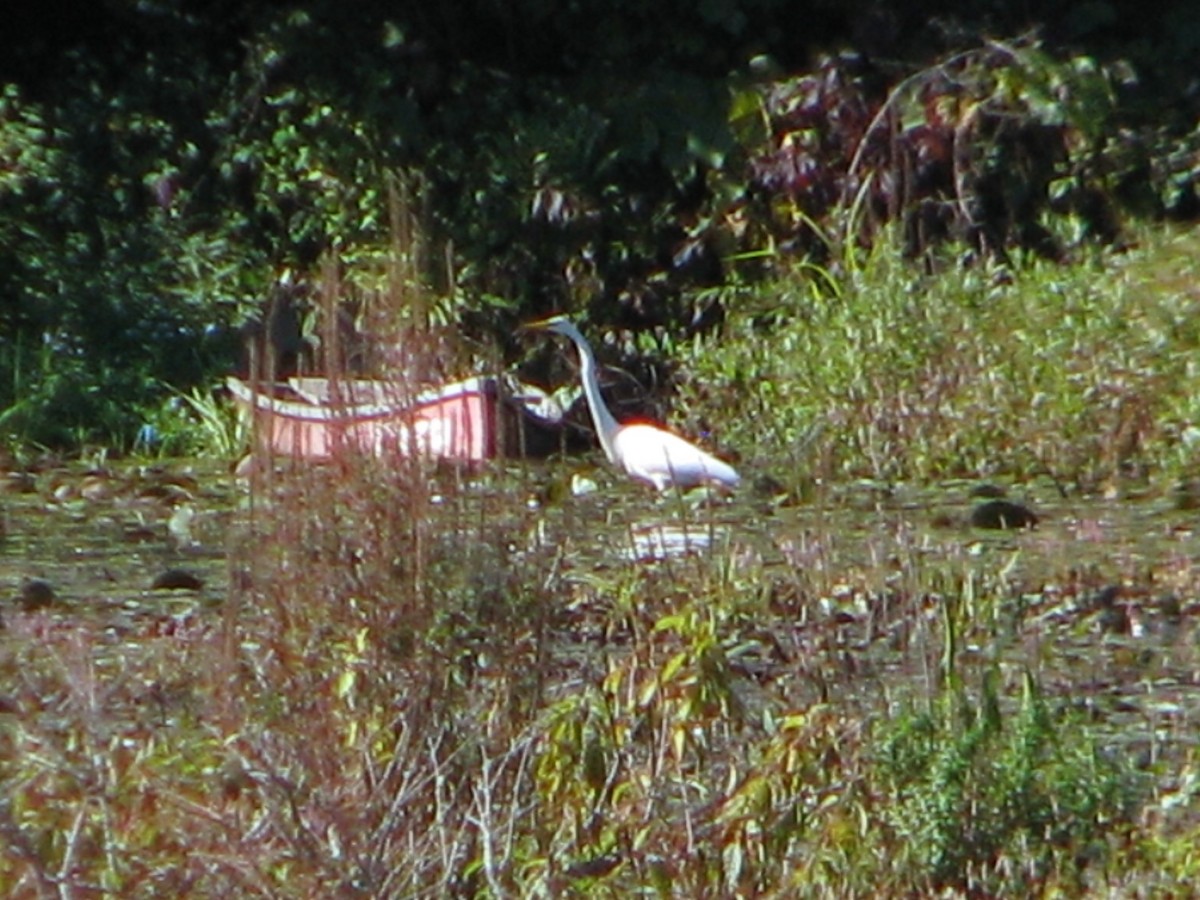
163	164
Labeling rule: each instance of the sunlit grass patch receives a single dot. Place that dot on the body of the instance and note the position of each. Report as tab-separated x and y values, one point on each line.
1084	372
197	423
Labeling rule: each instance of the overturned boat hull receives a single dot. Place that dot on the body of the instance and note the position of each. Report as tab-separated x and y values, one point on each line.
469	421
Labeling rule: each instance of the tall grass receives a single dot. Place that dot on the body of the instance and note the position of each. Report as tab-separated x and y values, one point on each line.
412	691
1087	372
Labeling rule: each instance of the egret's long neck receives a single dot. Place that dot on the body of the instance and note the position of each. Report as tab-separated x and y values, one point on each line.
606	425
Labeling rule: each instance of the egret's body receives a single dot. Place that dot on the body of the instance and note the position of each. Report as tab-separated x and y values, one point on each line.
647	452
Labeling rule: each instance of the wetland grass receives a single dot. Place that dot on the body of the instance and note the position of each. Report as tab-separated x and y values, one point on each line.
413	690
426	683
1087	374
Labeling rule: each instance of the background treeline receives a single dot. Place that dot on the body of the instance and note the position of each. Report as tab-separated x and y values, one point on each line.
166	166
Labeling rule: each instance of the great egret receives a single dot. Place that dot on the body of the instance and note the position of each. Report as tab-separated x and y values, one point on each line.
645	451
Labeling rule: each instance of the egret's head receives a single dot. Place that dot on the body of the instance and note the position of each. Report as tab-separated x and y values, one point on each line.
557	324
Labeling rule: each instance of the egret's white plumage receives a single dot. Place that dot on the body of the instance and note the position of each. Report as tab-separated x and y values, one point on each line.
645	451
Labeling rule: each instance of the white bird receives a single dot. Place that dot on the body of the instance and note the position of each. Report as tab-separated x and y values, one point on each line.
645	451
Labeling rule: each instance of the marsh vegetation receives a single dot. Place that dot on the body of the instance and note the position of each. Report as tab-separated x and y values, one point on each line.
398	680
931	296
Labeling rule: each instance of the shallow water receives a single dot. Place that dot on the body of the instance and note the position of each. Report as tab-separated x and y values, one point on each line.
101	538
1099	601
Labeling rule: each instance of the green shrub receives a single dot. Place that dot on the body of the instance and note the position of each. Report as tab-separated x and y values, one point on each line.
994	804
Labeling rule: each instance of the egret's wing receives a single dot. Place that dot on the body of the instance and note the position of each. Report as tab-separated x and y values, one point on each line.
663	458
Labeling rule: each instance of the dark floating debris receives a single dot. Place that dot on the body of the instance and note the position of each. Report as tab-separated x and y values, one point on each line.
768	486
35	594
1003	514
1186	494
177	580
18	483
